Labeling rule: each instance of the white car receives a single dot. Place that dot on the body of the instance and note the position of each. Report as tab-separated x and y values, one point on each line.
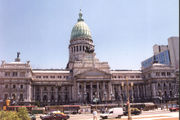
112	113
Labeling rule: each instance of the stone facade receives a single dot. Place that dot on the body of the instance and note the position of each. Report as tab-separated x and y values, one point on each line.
85	78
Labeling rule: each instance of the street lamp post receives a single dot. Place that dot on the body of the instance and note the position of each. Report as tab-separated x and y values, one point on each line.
128	102
132	97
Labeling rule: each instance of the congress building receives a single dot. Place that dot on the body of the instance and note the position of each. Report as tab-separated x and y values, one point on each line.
86	78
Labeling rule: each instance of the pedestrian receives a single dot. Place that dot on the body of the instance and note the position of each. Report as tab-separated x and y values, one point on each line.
95	115
106	110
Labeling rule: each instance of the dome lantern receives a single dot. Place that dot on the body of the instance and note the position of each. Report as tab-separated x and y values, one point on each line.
80	16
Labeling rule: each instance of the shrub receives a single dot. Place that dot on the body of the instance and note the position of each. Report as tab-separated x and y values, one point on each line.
23	113
9	115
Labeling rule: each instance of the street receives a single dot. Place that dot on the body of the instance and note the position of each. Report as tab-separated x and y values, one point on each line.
146	115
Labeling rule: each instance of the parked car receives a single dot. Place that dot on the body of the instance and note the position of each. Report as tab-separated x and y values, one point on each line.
54	116
174	108
134	111
32	116
112	113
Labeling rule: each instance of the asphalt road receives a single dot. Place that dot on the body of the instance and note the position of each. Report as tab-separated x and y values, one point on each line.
146	115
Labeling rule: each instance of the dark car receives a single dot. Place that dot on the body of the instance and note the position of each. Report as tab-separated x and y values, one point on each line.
59	116
134	111
174	108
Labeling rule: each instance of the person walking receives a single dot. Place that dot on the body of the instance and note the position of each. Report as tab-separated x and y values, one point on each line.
95	115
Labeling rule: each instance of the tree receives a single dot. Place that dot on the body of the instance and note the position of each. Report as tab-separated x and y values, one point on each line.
23	113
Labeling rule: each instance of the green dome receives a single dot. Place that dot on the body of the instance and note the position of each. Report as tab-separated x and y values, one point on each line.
80	29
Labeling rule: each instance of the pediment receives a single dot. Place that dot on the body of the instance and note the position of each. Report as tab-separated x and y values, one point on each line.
93	73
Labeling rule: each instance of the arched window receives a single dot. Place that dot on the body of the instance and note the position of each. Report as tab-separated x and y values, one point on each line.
45	98
37	98
21	97
74	49
170	85
14	86
13	96
52	89
21	86
83	48
45	88
52	98
5	96
165	94
170	92
77	48
59	98
6	86
80	48
164	84
71	49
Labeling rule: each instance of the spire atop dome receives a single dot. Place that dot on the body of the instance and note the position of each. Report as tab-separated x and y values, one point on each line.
80	16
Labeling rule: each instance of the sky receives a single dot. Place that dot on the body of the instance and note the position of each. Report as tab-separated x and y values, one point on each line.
123	31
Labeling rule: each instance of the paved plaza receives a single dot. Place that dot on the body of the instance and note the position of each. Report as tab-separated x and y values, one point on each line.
146	115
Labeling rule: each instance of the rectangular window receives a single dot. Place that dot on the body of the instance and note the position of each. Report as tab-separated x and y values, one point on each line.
14	74
22	74
7	74
45	76
157	74
38	76
168	73
137	76
59	76
52	76
163	74
14	86
6	86
131	76
21	86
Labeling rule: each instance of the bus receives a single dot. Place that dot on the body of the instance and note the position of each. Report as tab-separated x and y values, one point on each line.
68	109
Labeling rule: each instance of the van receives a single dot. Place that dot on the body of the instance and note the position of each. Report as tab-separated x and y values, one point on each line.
112	113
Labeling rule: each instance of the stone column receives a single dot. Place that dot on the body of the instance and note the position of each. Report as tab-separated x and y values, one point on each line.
78	88
153	90
84	91
137	91
98	90
110	92
91	88
41	95
56	94
34	94
28	93
144	91
104	91
119	90
70	92
49	93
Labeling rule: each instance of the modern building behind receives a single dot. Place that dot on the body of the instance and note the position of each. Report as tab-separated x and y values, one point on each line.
173	46
164	54
87	78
